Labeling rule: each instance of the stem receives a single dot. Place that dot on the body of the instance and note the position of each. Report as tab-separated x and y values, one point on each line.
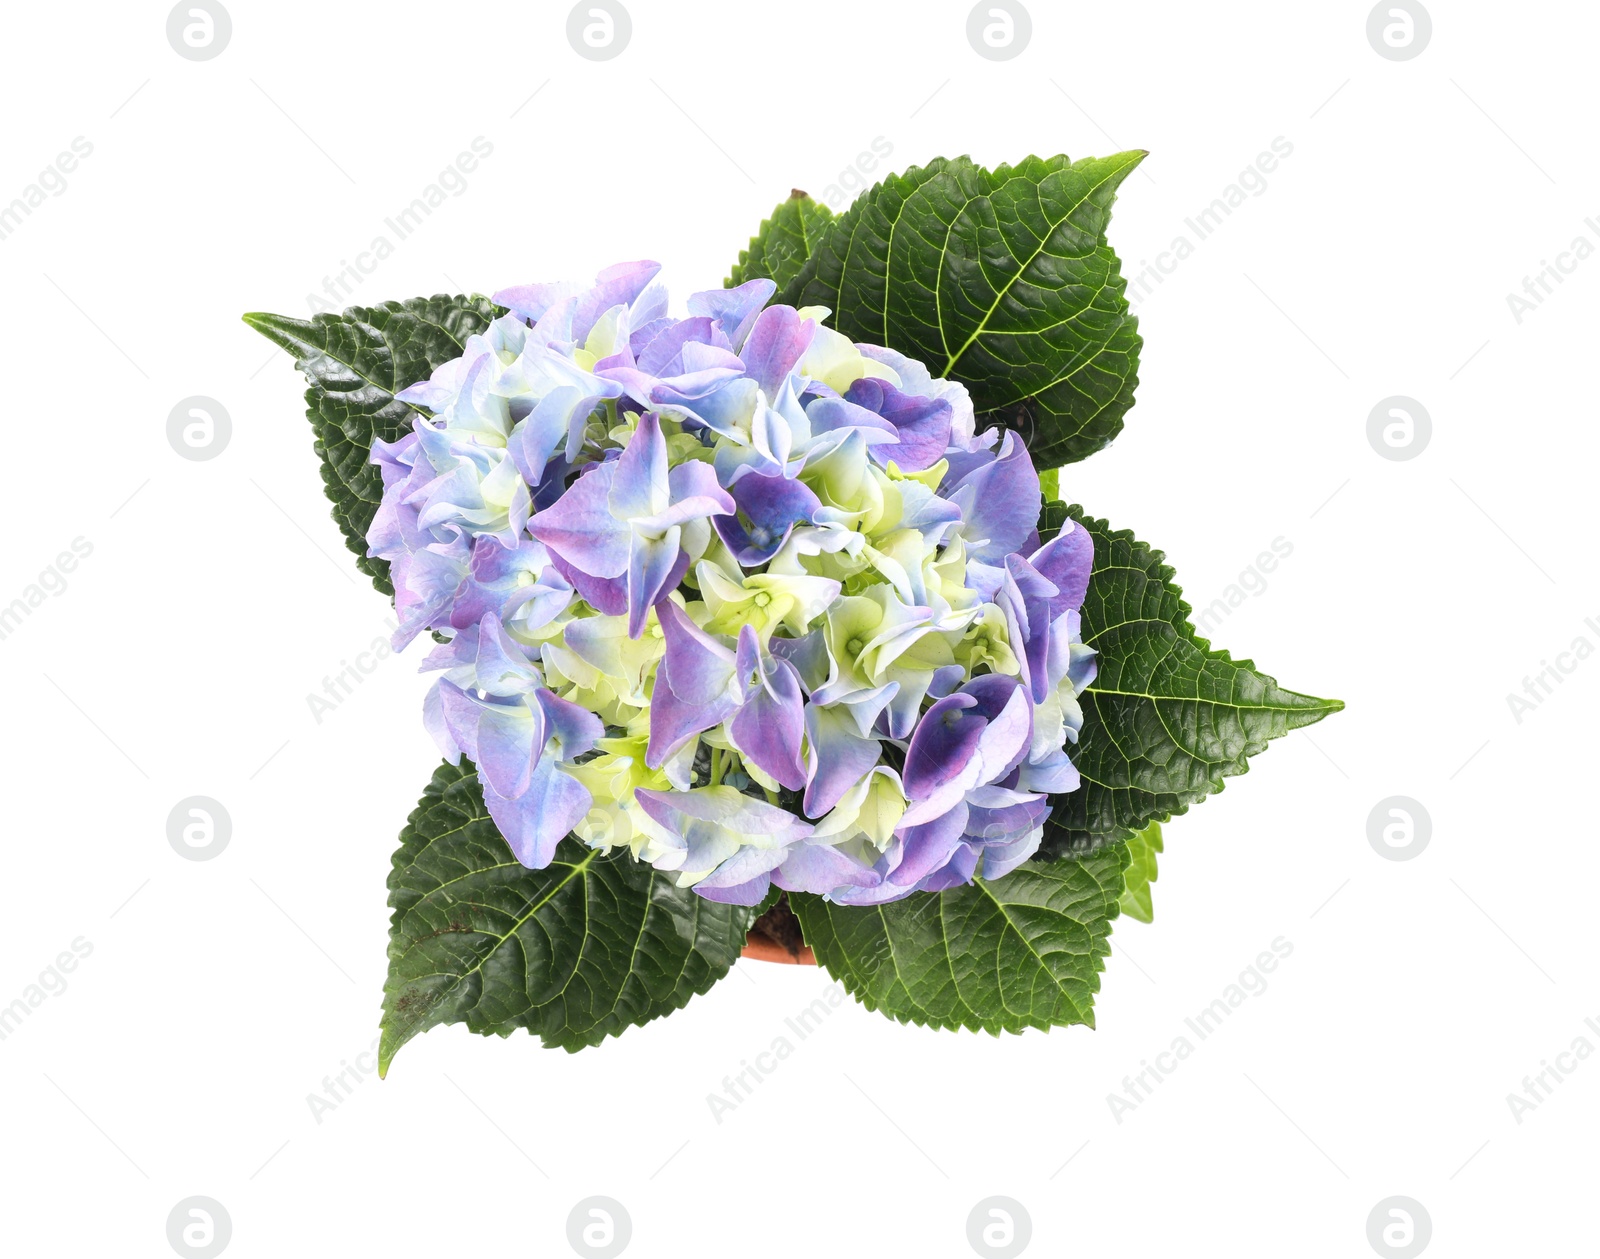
716	766
772	796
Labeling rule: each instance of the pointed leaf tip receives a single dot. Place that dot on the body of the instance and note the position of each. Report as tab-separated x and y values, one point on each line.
356	362
1167	717
1040	332
578	951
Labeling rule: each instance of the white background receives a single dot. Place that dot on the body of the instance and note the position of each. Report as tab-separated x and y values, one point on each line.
178	659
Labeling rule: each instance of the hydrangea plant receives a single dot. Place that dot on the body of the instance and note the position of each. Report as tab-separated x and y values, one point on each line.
765	609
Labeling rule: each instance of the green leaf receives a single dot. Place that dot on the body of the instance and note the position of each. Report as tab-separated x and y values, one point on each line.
356	362
1022	951
780	249
1000	279
1167	718
1143	848
576	952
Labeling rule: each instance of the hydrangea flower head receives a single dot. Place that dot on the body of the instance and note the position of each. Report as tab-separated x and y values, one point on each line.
754	601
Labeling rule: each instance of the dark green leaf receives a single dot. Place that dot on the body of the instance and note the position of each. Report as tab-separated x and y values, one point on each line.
1000	279
576	952
1167	718
1138	877
356	362
1023	951
848	270
780	249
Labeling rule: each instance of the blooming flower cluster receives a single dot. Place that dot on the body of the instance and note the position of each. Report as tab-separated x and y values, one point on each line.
751	599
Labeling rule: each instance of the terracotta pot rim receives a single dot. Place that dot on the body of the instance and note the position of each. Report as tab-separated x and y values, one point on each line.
761	949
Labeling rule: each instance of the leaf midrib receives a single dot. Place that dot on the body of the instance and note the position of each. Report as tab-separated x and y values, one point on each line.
544	900
983	886
1044	239
1316	705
